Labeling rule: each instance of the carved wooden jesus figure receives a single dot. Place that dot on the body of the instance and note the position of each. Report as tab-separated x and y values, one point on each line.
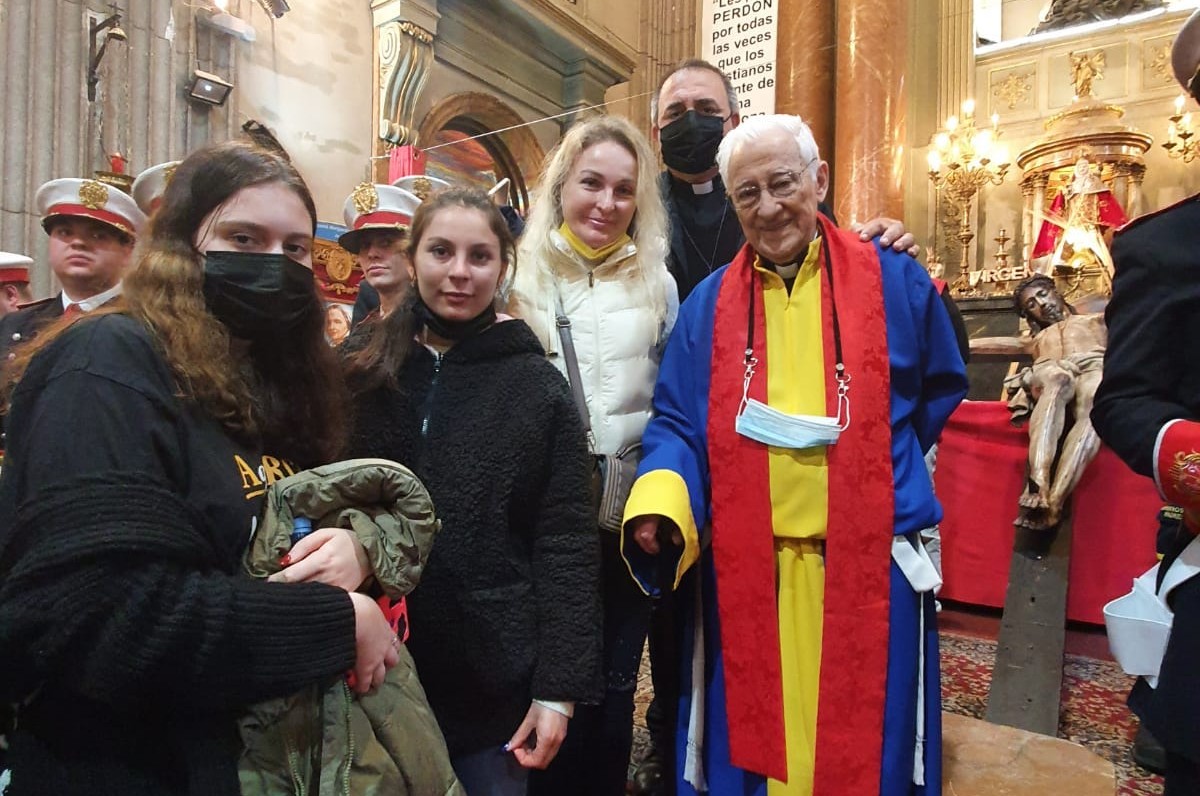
1068	354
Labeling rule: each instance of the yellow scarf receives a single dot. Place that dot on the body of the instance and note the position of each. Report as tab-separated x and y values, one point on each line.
587	252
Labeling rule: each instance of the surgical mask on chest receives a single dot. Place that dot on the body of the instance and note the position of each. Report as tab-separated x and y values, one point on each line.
761	423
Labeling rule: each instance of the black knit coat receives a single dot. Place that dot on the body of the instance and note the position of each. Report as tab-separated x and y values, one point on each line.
508	609
125	623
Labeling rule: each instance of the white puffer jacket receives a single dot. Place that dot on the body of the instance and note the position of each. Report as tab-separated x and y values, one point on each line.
617	342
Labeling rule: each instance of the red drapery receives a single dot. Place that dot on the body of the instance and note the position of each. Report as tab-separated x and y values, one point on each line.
980	473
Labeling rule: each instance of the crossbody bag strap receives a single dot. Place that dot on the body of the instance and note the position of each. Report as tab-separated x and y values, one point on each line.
573	377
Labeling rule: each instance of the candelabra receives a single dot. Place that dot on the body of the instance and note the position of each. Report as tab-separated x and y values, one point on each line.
962	160
1180	143
1001	254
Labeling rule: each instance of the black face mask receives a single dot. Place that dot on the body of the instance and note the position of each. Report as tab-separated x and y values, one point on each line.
689	144
258	295
453	330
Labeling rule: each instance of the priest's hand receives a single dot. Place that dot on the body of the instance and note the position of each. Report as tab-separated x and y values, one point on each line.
890	232
647	528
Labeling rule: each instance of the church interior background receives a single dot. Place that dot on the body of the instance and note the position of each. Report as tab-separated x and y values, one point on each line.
1010	135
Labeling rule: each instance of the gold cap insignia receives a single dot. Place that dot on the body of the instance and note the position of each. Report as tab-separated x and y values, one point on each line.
365	198
93	195
422	187
169	173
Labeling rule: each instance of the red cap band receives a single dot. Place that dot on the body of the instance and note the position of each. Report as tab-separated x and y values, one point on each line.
103	216
382	218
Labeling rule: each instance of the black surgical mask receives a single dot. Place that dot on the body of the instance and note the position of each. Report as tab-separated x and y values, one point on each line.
689	144
453	330
258	295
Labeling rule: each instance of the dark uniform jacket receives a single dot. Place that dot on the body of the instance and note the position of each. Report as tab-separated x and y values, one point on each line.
22	325
1151	377
1151	366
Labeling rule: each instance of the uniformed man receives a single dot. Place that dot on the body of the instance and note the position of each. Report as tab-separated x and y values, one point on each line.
14	282
92	229
151	184
1147	409
378	217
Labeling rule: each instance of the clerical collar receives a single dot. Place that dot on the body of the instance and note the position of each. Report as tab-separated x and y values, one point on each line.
702	187
788	271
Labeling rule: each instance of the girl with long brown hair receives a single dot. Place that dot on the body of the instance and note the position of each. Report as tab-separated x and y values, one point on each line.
140	441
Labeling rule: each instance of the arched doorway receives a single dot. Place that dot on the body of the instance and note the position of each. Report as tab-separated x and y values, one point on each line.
514	154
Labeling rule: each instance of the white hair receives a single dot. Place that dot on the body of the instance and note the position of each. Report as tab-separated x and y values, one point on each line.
753	128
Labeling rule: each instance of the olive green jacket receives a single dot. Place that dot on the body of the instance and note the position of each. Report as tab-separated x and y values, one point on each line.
325	739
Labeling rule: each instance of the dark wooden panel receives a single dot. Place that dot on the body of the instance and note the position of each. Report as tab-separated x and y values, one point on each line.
1027	679
987	317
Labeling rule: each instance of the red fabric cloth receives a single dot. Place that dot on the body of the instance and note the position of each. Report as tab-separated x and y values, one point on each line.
405	161
1108	210
858	546
743	545
980	473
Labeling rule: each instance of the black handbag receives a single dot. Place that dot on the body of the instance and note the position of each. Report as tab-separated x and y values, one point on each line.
613	474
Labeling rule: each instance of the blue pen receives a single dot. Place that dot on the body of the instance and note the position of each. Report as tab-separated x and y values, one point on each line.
301	527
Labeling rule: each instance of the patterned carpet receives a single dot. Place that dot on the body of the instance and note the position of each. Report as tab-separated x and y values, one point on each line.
1093	709
1093	704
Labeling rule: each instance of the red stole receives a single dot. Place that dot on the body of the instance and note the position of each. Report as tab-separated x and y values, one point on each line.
859	535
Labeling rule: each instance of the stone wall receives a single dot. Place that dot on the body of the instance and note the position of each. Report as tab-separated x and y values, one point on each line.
308	78
50	129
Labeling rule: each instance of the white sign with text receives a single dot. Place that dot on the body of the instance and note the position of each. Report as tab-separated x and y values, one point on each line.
739	37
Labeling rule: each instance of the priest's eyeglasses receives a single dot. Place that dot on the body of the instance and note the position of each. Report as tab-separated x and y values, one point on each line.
781	185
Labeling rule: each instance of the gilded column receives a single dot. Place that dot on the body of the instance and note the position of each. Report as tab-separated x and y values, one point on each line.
872	50
805	64
1027	230
1137	173
1037	217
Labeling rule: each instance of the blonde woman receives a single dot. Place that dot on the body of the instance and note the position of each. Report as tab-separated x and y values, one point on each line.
594	249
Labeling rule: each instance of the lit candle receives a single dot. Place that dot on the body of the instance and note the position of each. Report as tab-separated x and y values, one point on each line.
942	142
1000	154
1187	122
935	161
968	107
952	123
1179	104
995	121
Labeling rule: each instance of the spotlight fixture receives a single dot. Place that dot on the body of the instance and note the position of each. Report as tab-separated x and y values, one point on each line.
207	89
275	8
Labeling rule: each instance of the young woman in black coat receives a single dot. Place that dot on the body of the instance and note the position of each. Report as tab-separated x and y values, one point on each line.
506	623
